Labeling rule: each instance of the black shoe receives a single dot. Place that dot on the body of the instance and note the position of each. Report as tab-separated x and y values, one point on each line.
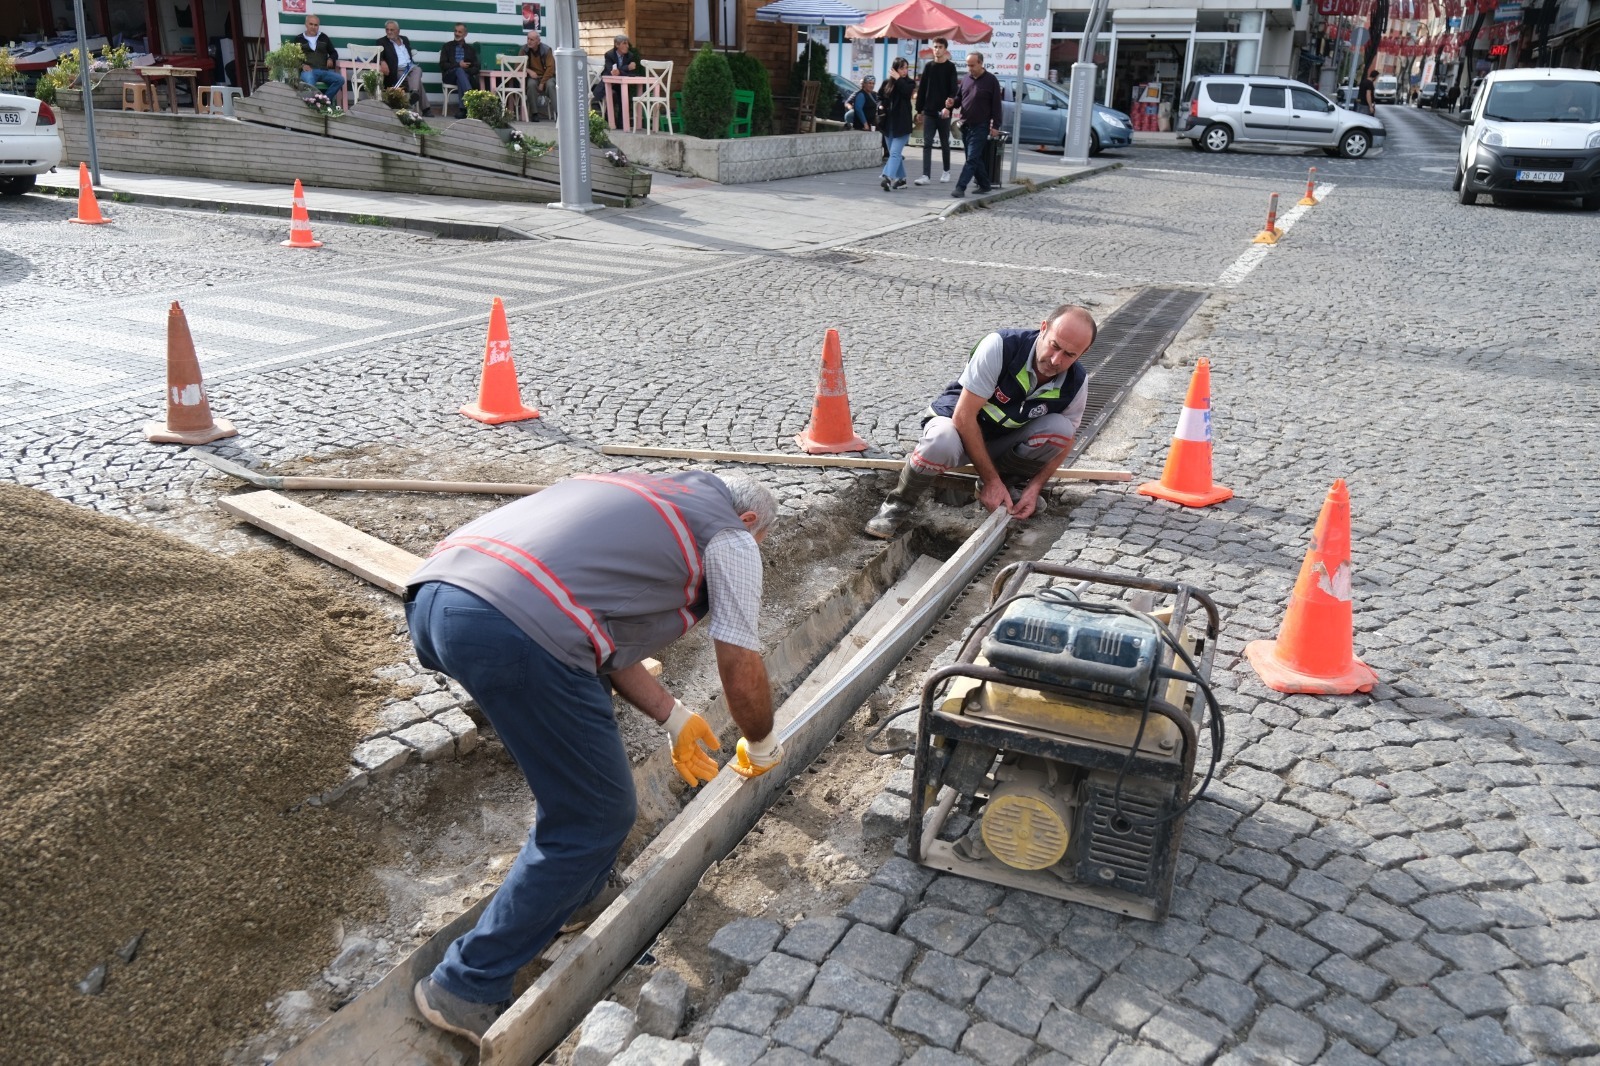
957	193
885	183
985	188
900	183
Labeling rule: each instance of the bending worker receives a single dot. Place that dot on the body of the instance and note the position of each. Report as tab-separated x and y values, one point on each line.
1013	415
541	609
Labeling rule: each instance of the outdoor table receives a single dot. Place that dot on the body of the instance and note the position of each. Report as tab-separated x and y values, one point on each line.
495	80
625	82
153	75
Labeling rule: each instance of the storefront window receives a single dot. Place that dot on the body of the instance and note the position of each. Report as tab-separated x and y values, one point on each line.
1069	21
1228	22
1214	57
1064	53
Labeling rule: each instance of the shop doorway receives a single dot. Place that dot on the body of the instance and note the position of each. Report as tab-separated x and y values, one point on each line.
1147	70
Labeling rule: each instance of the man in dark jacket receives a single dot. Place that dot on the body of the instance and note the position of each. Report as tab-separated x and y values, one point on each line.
979	107
541	78
621	61
458	66
320	70
936	94
1013	414
398	65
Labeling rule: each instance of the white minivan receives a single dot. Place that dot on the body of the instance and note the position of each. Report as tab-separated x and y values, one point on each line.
1533	132
1385	89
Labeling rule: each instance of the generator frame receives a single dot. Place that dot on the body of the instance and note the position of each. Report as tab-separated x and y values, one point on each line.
927	849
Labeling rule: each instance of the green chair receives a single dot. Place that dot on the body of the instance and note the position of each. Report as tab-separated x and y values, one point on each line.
744	105
677	113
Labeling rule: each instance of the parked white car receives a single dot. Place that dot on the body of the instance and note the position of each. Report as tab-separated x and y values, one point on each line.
30	144
1533	132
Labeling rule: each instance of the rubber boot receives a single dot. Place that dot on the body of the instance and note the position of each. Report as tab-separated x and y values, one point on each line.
901	501
1016	472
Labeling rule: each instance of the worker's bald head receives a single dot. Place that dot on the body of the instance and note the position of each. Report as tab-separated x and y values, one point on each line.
1080	313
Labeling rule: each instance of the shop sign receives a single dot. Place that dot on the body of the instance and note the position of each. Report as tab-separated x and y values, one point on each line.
1508	13
294	7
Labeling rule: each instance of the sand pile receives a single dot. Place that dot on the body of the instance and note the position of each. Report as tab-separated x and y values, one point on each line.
162	709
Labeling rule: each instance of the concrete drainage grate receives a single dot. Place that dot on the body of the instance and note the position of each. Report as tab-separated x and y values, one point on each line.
1128	342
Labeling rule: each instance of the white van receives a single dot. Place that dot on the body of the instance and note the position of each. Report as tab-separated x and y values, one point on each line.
1385	88
1533	132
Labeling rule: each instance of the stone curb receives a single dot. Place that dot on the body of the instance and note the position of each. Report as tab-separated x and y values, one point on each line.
972	203
479	231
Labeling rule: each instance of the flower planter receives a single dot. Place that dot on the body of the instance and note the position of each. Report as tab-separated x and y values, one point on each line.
373	123
476	144
108	88
277	104
732	162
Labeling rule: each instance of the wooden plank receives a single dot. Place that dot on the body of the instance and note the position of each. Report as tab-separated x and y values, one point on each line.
856	462
663	877
365	556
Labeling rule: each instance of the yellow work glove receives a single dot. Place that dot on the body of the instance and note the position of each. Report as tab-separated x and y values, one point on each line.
752	758
686	731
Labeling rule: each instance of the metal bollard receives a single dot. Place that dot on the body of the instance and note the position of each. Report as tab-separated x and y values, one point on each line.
1310	198
1271	233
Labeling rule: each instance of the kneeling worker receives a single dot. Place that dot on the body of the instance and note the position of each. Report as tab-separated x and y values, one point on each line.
1012	415
540	609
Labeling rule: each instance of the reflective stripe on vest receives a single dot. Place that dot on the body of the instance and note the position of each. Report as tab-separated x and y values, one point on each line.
680	531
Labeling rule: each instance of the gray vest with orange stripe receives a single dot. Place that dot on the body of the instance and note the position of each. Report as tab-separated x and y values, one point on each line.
601	570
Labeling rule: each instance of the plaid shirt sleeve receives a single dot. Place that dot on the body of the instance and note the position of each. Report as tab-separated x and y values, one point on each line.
733	584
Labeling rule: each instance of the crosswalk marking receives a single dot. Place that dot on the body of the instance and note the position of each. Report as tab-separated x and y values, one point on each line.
355	299
295	313
57	371
202	325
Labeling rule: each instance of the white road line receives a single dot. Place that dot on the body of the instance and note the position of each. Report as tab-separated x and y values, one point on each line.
985	263
203	326
133	342
490	281
357	299
561	271
57	371
1252	257
293	312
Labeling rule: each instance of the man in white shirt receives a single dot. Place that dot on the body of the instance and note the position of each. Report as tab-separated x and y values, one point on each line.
398	65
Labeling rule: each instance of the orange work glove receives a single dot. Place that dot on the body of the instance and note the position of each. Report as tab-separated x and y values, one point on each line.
752	758
686	731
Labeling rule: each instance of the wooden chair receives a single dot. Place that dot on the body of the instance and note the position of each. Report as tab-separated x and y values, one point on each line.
655	103
255	49
359	57
806	115
513	91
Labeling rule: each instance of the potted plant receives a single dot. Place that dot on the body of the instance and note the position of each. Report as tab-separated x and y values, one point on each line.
284	62
112	69
9	82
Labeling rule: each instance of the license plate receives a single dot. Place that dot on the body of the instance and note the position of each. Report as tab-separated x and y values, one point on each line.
1541	175
10	118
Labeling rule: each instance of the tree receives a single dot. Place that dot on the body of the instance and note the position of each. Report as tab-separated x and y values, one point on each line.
1375	30
708	95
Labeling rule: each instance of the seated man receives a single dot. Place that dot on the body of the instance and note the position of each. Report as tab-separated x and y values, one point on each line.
623	61
541	83
321	67
398	65
458	66
1013	415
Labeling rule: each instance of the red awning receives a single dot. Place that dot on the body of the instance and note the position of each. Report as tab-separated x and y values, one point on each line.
921	20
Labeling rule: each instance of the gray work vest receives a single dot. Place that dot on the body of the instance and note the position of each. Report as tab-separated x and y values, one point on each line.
600	570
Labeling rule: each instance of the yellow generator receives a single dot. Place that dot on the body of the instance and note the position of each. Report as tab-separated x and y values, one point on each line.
1058	752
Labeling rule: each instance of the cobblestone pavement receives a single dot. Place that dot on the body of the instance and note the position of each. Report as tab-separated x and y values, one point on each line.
1406	876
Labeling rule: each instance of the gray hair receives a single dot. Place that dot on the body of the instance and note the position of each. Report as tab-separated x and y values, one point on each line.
619	38
750	495
391	22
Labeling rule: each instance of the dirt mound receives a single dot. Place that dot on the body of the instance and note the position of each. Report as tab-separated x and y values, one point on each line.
163	710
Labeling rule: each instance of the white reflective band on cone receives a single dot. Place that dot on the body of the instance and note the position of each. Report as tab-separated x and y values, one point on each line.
1194	424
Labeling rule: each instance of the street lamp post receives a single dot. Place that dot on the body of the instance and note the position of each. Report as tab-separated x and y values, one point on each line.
1080	106
88	91
572	110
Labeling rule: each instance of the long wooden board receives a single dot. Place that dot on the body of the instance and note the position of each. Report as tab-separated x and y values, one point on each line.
714	822
856	461
365	556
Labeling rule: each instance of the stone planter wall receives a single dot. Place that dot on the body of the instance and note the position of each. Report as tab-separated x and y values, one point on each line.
734	162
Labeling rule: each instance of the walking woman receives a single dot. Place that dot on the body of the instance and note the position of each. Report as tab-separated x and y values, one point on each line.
894	119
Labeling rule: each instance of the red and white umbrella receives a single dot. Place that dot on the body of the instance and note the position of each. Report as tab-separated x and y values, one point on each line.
921	20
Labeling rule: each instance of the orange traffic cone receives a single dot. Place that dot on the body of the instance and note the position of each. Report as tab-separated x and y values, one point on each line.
300	222
830	430
88	207
1313	652
189	418
1187	477
499	400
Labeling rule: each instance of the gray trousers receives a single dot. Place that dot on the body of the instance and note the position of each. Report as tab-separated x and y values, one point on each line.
940	448
547	98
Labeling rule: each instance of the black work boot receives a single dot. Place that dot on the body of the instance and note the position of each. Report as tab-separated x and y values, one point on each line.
1016	472
901	501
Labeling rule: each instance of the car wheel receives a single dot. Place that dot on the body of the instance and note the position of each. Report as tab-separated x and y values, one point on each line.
18	185
1216	138
1094	143
1455	186
1354	144
1465	192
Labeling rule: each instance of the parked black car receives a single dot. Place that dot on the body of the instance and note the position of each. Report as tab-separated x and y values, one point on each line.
1432	94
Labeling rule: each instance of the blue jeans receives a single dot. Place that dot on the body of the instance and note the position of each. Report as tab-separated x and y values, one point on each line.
895	168
328	82
976	168
463	83
557	723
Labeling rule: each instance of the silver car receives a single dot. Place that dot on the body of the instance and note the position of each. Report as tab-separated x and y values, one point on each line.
1220	110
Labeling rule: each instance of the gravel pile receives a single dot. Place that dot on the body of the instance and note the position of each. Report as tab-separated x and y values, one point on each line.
164	712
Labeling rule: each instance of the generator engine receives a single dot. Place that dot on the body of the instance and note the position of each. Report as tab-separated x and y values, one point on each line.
1058	752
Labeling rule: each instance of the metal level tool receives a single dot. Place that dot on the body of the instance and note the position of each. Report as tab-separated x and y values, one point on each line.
1058	752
